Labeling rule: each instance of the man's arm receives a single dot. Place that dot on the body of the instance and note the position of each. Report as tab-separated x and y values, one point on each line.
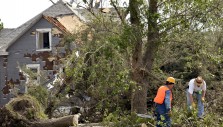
167	100
203	93
191	90
204	90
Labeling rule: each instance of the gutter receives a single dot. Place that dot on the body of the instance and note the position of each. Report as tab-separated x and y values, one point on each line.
4	53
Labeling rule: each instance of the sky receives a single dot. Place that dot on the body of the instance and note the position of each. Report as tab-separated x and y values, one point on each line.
14	13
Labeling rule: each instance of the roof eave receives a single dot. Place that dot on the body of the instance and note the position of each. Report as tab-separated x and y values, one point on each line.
57	24
17	37
3	53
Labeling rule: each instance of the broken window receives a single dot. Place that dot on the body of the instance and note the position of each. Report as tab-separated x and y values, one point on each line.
43	39
33	74
34	71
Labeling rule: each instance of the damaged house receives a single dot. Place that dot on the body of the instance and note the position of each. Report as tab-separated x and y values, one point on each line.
36	45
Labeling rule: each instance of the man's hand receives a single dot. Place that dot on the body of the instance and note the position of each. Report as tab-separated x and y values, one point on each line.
202	99
192	106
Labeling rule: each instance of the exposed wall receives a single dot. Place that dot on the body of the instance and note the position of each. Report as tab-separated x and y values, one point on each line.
72	23
4	94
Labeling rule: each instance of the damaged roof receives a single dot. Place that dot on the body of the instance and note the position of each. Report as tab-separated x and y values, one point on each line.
9	36
52	14
3	33
6	39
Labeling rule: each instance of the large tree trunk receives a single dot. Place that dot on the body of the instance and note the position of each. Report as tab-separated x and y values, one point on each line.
12	118
138	100
65	121
145	61
152	36
139	94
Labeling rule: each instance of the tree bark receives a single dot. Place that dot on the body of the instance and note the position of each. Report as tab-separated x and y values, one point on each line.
10	119
138	100
66	121
145	61
152	36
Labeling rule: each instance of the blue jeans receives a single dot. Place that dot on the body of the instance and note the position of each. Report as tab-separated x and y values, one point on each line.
163	119
200	104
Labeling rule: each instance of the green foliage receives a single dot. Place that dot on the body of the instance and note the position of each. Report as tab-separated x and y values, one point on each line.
190	47
124	119
26	107
101	69
40	93
191	54
189	41
181	117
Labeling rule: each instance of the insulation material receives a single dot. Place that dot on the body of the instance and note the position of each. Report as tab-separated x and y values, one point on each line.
72	23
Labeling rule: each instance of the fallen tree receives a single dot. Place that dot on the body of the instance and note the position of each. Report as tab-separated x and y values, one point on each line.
66	121
25	111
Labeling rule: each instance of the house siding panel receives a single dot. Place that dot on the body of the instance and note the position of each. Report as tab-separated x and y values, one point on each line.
1	79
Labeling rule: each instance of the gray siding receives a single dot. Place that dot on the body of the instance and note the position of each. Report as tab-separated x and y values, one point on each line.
23	52
1	72
1	79
4	98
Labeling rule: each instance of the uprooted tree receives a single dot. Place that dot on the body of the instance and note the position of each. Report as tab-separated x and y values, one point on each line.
25	111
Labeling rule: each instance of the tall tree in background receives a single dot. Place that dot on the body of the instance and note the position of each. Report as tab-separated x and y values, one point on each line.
1	25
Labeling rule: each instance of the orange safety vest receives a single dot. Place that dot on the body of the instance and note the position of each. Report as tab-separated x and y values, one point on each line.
160	96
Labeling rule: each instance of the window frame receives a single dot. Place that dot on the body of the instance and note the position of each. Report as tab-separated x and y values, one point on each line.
35	66
41	31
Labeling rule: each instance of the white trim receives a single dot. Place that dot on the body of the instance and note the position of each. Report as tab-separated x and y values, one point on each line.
43	50
33	66
4	53
44	30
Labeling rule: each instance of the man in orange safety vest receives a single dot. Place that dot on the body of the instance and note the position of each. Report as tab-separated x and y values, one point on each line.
163	103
